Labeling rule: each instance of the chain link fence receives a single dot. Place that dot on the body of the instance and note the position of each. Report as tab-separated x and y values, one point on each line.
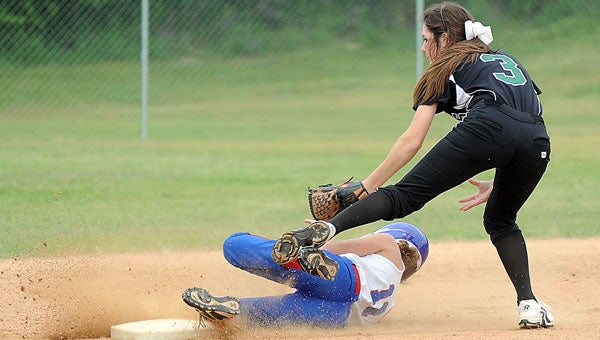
230	82
80	60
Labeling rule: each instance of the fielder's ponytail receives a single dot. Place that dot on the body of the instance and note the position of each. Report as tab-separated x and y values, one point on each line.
434	80
449	18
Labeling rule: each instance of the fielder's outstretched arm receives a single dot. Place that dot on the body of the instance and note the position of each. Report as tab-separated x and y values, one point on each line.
405	148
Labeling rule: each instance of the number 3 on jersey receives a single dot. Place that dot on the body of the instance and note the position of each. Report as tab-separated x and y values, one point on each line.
513	76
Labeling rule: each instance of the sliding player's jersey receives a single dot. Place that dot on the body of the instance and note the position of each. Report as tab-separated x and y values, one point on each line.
379	279
497	74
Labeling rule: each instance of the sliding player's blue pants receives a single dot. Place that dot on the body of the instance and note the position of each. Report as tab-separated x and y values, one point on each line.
316	301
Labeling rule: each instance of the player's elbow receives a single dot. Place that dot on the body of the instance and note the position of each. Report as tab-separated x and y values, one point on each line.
411	145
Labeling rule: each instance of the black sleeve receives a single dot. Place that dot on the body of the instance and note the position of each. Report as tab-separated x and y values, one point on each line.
443	101
536	88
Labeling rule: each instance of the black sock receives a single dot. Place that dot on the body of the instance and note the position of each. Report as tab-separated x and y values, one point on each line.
512	250
372	208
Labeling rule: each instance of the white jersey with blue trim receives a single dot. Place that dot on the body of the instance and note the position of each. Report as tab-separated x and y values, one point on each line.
497	74
379	279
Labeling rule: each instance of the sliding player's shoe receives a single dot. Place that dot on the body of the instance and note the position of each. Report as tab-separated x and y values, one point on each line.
315	262
314	235
211	308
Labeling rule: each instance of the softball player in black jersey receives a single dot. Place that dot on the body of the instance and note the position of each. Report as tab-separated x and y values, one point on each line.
500	127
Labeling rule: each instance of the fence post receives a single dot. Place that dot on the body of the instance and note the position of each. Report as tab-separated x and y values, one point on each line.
419	26
144	62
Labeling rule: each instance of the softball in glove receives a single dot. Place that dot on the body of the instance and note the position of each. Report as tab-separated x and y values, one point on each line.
328	200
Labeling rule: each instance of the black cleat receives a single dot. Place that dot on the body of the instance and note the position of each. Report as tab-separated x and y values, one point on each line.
314	235
211	308
315	262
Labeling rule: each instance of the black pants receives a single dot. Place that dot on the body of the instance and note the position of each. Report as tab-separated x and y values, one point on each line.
493	135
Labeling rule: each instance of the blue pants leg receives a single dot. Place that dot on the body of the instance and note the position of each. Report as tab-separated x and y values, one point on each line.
317	301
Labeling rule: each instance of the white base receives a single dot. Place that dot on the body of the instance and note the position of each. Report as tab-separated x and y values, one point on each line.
160	329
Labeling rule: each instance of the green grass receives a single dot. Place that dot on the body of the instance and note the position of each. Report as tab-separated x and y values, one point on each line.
233	145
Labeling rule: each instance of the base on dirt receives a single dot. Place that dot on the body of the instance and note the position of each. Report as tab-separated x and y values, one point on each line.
163	329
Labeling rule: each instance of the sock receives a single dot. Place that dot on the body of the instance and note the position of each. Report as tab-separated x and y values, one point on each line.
372	208
512	250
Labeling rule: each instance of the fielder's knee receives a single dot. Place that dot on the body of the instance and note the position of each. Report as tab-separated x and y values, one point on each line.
497	231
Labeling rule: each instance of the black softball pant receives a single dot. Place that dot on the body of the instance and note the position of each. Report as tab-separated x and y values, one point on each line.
493	135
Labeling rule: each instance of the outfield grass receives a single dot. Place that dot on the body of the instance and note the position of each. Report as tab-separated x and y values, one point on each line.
233	145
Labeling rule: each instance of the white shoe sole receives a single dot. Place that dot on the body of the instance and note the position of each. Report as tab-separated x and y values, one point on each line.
544	322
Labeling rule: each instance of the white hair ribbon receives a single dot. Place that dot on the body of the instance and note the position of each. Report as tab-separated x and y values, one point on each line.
477	30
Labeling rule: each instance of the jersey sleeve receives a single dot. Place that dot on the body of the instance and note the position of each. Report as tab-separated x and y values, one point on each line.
443	101
538	91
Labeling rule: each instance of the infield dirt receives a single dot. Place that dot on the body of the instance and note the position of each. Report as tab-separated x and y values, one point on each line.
462	292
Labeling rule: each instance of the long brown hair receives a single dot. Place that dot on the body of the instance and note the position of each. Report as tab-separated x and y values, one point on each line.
447	17
410	258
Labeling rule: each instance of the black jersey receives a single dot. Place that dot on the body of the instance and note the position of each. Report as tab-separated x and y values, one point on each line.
498	74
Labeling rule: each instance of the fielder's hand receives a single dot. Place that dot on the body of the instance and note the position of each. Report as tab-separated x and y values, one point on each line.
485	189
328	200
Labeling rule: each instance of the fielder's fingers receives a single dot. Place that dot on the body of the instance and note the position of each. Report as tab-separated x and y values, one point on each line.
471	204
473	181
309	221
466	207
467	199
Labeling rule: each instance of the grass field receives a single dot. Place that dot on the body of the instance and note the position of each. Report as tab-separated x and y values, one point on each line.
233	145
